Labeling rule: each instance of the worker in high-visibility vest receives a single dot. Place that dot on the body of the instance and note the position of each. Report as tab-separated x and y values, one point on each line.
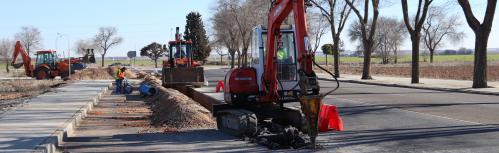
119	77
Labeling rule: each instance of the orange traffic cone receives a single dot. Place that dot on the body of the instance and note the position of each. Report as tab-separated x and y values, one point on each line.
329	118
220	85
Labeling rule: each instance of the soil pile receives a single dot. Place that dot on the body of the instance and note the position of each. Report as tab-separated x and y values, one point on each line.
128	73
100	74
175	110
92	74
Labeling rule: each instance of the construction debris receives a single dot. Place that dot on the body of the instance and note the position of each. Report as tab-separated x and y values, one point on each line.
275	136
175	110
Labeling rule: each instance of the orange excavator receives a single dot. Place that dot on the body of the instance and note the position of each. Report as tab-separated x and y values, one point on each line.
280	71
47	65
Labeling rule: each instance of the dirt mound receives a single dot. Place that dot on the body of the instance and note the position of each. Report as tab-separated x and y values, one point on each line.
141	75
100	74
175	110
128	73
92	74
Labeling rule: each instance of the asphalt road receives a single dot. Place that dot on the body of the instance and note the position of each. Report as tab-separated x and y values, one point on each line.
393	119
376	119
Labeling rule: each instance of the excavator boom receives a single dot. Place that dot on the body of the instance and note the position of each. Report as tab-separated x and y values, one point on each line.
310	99
19	50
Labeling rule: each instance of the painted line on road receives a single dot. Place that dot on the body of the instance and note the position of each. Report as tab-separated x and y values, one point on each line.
438	116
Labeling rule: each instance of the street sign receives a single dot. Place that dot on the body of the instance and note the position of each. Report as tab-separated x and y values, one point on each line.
132	54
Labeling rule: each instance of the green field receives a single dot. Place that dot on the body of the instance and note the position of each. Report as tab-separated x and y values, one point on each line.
215	60
437	58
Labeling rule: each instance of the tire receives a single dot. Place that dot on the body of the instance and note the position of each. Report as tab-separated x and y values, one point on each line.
42	73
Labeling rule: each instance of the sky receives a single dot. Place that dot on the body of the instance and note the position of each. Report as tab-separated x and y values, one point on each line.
141	22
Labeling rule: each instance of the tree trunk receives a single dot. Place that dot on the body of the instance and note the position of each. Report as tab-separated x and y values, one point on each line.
336	56
238	59
102	59
415	38
326	60
221	58
245	57
7	66
396	56
480	69
232	59
432	51
366	70
156	63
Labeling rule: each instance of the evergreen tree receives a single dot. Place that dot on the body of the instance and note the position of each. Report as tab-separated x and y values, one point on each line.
194	31
327	49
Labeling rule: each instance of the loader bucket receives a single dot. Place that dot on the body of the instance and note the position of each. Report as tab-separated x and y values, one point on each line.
311	107
181	76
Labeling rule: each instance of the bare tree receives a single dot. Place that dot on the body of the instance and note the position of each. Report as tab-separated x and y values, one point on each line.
6	50
482	33
414	30
368	30
105	39
246	14
439	26
317	27
337	13
219	50
225	32
30	38
389	38
83	45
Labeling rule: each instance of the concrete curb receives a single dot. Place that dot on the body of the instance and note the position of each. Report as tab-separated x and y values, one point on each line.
51	143
416	87
203	99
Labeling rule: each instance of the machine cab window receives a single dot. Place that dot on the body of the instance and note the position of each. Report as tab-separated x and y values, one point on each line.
285	54
45	57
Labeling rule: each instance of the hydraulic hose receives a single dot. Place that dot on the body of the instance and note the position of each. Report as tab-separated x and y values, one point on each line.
330	73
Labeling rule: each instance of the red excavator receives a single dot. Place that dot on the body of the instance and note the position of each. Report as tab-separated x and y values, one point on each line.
280	72
47	65
180	69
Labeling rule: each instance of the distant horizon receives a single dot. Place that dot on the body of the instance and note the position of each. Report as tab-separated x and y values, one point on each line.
140	23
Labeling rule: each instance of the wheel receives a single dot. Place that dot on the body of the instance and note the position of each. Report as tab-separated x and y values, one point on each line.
42	73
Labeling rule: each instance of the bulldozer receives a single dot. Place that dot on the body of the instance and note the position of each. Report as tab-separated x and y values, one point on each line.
180	69
47	65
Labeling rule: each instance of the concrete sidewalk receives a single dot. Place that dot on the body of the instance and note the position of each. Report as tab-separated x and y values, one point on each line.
431	84
42	123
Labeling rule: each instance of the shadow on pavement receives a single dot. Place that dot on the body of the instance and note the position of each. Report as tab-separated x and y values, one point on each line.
360	137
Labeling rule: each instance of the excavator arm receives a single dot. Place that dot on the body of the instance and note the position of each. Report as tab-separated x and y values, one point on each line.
19	50
279	12
310	99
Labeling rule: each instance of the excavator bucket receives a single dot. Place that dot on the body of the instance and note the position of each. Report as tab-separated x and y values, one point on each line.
18	65
311	107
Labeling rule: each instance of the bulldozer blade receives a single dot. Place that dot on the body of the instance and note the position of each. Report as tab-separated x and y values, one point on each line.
311	107
180	76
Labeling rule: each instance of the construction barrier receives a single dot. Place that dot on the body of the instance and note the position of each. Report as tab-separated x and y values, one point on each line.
329	118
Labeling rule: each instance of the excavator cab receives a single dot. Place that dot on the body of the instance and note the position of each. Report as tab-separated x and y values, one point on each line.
46	57
287	68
